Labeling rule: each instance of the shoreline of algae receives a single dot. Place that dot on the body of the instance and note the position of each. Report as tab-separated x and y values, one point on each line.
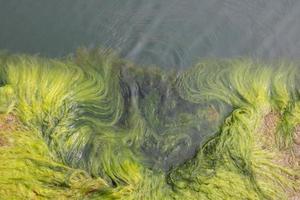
93	126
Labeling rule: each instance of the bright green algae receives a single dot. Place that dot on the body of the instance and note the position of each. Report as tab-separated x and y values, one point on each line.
93	126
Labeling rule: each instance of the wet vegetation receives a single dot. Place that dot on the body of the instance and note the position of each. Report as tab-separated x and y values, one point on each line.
94	126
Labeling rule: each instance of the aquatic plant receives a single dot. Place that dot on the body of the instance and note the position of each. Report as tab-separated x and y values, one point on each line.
94	126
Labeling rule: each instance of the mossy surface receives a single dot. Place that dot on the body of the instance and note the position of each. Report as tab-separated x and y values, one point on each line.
94	126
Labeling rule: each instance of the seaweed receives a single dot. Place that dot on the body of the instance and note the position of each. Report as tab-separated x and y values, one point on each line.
95	126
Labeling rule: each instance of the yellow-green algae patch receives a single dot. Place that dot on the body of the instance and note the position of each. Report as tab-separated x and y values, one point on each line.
93	126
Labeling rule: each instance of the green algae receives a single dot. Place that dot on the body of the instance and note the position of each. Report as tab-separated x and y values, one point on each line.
94	126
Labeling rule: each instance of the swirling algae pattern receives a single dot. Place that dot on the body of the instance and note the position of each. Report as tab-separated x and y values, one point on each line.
94	126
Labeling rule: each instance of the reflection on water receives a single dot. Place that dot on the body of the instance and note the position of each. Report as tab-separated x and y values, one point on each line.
169	33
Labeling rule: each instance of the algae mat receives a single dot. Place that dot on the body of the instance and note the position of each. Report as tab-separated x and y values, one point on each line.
94	126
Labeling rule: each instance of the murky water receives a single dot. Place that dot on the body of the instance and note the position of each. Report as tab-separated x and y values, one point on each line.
150	133
169	33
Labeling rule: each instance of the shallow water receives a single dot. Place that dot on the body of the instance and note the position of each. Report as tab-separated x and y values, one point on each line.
169	33
147	133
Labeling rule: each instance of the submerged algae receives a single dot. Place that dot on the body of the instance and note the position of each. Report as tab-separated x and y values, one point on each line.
94	126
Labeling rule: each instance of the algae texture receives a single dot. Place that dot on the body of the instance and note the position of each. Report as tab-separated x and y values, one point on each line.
95	126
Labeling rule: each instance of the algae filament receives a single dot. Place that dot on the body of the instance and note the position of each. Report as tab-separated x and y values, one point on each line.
94	126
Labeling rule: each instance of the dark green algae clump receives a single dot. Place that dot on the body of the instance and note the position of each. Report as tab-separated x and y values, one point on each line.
94	126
